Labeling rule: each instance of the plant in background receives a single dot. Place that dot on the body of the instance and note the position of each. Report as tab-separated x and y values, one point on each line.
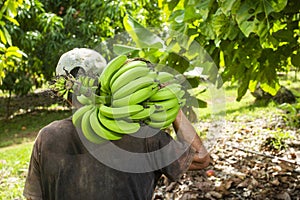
177	54
277	140
14	79
250	40
291	114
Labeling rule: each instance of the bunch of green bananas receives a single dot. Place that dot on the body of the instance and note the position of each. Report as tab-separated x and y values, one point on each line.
128	94
86	90
62	85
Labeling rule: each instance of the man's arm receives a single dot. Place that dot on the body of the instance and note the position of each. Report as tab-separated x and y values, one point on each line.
186	132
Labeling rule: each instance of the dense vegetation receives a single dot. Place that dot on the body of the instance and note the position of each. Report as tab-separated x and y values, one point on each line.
248	42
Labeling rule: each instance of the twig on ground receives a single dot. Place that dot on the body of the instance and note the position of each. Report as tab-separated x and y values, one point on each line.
266	155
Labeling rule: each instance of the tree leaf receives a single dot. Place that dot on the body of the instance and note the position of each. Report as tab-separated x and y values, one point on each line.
7	36
13	51
140	35
14	21
124	49
227	6
270	88
2	37
274	5
172	4
295	59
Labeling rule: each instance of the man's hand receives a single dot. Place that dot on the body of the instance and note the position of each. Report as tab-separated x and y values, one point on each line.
186	132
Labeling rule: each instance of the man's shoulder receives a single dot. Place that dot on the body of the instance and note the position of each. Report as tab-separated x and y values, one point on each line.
62	129
58	126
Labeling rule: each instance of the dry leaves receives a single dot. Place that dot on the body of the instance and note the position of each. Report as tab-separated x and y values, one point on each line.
236	173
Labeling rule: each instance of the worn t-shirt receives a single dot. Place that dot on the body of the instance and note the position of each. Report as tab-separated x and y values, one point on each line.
63	166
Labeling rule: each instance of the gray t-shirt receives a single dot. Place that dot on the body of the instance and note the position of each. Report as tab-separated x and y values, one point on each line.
61	167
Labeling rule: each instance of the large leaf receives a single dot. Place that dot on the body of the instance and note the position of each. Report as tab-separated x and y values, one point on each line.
274	5
140	35
252	16
202	7
228	5
124	49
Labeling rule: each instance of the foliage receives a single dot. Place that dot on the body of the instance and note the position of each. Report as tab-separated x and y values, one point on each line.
277	140
45	29
249	40
169	53
9	54
292	114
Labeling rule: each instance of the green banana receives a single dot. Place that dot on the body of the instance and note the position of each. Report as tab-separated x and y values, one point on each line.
77	116
132	86
120	112
126	67
136	97
153	74
162	121
165	114
87	130
112	67
85	81
160	124
145	113
167	92
165	104
83	100
100	130
129	76
164	77
118	125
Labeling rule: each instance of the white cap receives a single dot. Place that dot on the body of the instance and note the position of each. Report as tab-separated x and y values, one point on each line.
89	60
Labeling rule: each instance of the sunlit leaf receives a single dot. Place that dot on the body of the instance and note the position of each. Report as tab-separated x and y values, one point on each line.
124	49
7	36
270	88
13	51
2	37
12	20
141	36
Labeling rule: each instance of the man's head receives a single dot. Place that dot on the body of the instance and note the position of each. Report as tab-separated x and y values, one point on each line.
81	60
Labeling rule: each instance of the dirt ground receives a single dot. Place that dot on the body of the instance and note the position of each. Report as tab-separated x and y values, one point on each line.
244	166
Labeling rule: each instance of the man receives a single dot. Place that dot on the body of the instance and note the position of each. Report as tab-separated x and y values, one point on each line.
64	166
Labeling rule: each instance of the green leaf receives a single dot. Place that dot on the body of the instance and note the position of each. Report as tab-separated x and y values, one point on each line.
284	35
274	5
14	21
124	49
295	59
270	88
140	35
2	37
243	87
7	36
193	82
172	4
227	6
190	13
201	103
13	51
177	62
202	7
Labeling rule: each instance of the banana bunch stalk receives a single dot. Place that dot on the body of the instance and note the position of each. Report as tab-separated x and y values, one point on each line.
127	95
